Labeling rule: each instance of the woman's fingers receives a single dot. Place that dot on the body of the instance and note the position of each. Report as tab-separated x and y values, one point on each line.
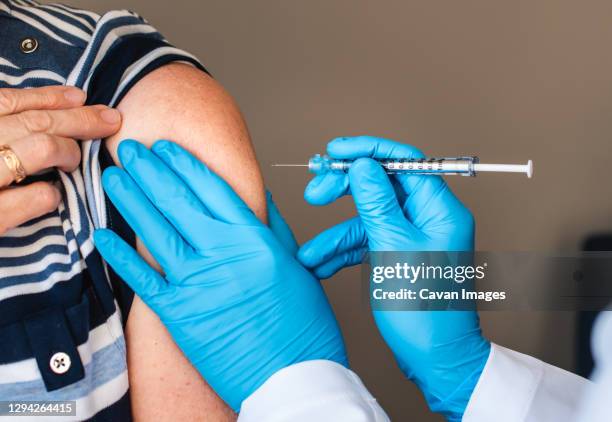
13	100
39	125
21	204
89	122
41	151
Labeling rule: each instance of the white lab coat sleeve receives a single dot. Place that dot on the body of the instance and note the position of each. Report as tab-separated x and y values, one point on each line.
318	390
597	403
515	387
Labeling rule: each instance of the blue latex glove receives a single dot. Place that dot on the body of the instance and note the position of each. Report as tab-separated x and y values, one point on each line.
443	352
233	297
280	228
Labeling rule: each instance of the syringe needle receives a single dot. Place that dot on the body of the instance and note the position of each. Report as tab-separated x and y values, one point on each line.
289	165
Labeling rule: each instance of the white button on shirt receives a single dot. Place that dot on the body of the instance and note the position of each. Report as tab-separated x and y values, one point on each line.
60	363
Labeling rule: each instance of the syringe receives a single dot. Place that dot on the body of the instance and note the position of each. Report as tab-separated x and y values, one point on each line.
464	166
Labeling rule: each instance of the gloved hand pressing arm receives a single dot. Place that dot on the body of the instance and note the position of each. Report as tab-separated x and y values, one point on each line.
234	299
443	352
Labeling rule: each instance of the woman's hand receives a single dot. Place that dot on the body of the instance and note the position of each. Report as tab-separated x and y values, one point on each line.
38	130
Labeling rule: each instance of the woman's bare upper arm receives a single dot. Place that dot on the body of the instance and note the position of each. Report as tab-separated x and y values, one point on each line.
180	103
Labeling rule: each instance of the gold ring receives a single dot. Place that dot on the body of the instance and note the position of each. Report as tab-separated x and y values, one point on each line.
13	163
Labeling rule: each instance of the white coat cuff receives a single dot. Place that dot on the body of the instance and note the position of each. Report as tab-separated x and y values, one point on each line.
318	390
515	387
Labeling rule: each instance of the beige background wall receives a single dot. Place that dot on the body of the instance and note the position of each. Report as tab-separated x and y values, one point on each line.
506	80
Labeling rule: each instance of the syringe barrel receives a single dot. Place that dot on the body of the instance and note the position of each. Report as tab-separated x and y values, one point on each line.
464	166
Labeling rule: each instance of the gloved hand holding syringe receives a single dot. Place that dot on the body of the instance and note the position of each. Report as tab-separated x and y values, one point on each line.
464	166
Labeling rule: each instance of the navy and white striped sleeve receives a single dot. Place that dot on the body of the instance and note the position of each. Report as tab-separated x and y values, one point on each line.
61	335
122	50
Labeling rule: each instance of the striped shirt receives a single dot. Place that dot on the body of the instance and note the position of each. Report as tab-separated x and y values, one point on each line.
61	331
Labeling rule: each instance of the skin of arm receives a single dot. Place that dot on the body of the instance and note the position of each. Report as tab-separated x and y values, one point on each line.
180	103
